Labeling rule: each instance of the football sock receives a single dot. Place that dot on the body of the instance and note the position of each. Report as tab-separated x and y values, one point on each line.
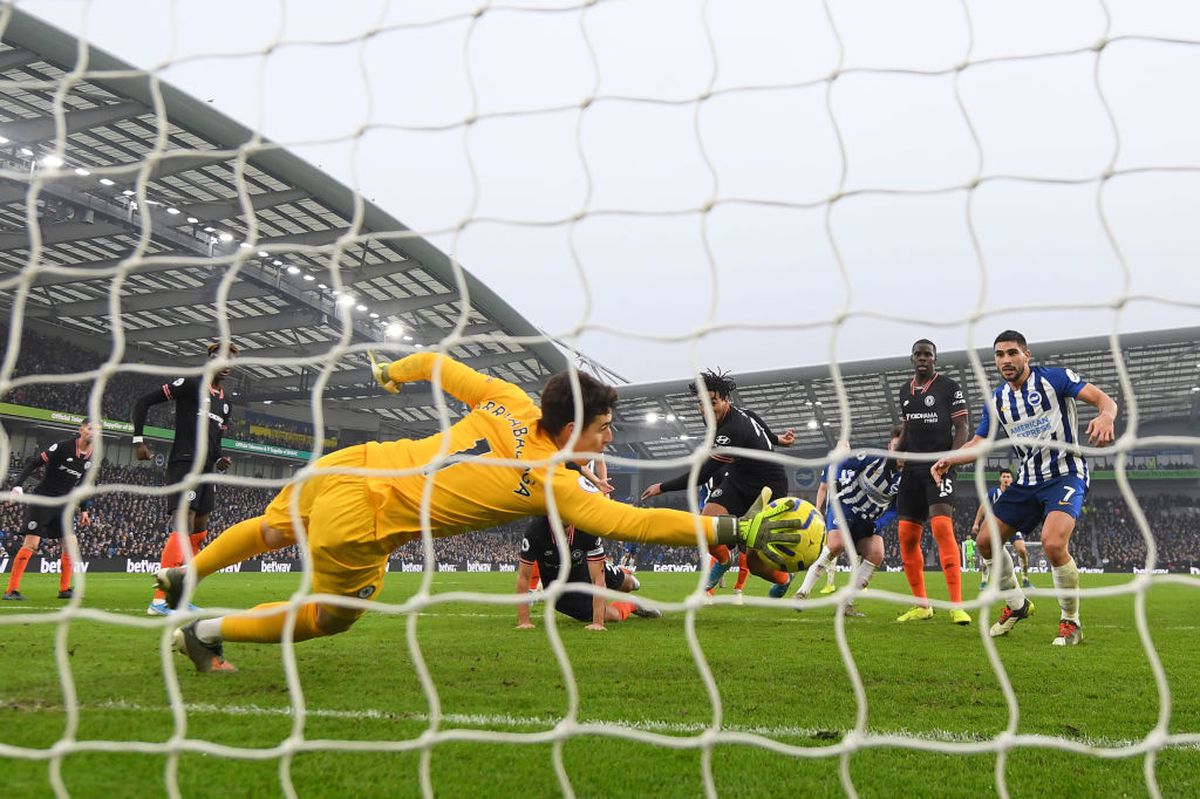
985	567
943	533
743	572
721	553
171	556
535	578
624	608
1066	578
197	540
913	558
1024	558
829	571
862	574
1014	597
18	569
64	574
266	629
819	567
780	577
241	541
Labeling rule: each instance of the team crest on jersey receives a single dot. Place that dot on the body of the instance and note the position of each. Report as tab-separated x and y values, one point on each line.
178	382
33	525
1035	398
716	493
929	400
191	495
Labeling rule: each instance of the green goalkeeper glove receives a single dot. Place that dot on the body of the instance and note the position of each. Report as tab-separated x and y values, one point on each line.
760	526
383	378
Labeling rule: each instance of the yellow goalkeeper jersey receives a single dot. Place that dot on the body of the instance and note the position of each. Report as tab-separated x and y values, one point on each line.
460	474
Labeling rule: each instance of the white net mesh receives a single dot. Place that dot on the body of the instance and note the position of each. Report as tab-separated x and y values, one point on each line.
837	137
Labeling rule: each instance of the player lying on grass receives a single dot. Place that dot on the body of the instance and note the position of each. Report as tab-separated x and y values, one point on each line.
587	564
865	487
354	521
1036	407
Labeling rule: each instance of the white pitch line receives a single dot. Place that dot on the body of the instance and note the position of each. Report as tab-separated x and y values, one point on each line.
645	725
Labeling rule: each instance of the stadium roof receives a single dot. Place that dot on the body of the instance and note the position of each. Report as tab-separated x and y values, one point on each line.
158	197
1164	368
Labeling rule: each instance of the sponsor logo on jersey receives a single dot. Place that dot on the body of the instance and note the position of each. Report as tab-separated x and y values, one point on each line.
1031	428
178	381
722	441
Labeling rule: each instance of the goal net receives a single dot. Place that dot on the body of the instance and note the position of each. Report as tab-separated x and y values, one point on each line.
635	192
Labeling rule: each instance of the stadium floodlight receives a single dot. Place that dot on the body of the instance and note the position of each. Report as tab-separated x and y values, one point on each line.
373	315
226	237
263	254
128	192
277	262
345	300
26	151
210	229
243	246
319	285
812	424
651	417
3	140
106	182
293	270
408	338
670	417
1195	389
83	173
172	211
360	307
684	437
311	277
52	161
192	220
395	330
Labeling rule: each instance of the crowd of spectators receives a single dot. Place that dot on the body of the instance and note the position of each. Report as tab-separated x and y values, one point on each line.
42	355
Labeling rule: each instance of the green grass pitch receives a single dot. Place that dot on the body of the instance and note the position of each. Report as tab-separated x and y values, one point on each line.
779	674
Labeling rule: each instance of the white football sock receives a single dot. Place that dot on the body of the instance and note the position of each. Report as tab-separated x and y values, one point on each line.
1014	597
209	630
862	574
815	571
1066	578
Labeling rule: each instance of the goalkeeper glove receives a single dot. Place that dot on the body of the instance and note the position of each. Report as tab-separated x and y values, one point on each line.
760	526
383	378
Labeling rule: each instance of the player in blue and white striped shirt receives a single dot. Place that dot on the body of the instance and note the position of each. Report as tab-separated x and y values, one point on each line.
1036	407
865	488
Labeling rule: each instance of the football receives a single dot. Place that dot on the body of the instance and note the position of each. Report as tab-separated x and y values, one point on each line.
797	549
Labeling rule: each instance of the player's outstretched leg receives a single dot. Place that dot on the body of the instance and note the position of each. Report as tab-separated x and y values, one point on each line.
723	561
240	542
819	567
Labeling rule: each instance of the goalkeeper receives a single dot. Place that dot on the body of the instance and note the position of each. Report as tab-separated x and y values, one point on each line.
354	521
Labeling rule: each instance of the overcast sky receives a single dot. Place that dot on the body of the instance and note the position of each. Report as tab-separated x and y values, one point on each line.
644	263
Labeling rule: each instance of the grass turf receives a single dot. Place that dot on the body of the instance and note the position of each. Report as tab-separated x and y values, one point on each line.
779	673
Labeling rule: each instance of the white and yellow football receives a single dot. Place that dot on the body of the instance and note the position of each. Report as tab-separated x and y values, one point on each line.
796	549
